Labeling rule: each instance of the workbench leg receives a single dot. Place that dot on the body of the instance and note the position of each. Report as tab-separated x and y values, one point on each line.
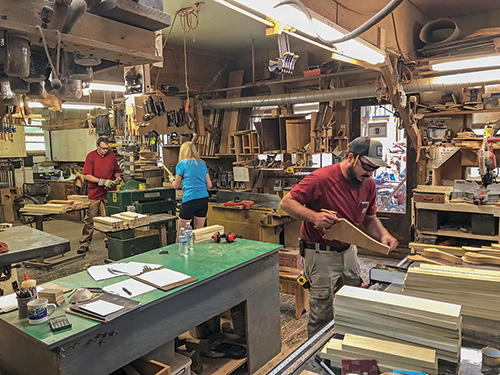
301	302
39	222
263	321
162	229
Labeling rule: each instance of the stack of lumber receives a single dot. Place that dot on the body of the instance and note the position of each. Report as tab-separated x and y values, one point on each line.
49	208
132	219
477	290
108	224
53	295
81	201
389	355
203	234
399	318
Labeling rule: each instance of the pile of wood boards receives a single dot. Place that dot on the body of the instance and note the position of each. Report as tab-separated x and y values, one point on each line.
477	290
489	255
49	208
132	219
53	295
108	224
399	318
203	234
71	204
80	200
389	355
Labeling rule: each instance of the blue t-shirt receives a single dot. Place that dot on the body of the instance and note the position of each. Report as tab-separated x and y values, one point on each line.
194	179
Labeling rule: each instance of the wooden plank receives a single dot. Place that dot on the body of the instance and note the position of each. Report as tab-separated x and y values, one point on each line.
437	254
203	234
230	121
481	259
424	307
346	232
420	258
419	247
390	350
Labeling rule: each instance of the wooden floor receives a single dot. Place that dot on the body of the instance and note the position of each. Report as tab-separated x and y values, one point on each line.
294	332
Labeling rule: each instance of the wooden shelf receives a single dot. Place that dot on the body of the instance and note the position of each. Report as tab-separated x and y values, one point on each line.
457	233
460	207
457	112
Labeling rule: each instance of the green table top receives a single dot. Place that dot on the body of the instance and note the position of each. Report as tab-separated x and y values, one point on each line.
208	259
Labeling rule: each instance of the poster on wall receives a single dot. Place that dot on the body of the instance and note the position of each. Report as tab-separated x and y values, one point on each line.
377	129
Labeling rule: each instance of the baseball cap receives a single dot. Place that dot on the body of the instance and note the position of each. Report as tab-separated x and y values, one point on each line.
371	149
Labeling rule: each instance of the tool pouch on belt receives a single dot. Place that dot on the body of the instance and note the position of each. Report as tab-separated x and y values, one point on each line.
302	248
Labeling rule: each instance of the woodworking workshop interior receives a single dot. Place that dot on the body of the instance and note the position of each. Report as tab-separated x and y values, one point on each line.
249	187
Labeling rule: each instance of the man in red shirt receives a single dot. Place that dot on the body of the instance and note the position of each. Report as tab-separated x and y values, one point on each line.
102	173
346	188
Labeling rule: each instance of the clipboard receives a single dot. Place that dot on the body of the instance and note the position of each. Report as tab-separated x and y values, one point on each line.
165	285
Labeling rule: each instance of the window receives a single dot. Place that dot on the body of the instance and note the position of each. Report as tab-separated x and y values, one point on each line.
34	135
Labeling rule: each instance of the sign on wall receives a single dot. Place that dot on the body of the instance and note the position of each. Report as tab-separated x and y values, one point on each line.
377	129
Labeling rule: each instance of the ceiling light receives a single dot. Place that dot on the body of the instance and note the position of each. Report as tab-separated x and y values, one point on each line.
292	18
244	12
465	63
106	87
484	76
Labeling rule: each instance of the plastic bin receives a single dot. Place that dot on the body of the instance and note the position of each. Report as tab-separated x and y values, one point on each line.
181	365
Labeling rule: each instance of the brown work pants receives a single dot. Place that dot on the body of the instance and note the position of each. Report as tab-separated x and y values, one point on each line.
328	272
88	228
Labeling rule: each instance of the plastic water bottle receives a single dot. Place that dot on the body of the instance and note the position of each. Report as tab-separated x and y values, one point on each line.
183	249
189	235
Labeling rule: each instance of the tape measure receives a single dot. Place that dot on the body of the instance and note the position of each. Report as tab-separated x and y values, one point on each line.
304	282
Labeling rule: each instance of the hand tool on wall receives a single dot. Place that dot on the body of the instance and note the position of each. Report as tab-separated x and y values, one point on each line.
171	118
181	117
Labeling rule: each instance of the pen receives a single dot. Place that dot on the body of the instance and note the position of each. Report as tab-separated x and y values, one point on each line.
324	365
127	291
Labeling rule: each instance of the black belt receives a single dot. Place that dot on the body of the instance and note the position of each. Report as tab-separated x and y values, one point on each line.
323	247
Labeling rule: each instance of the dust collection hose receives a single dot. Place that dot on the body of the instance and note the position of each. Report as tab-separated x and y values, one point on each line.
385	11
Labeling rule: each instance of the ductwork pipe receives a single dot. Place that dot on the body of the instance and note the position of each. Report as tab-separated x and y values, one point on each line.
343	93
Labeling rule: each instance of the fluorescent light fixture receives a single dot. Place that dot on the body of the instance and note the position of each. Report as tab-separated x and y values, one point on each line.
465	63
97	86
292	18
244	12
474	78
81	106
35	105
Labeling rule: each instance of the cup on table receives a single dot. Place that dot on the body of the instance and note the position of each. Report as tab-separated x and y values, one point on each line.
38	310
22	306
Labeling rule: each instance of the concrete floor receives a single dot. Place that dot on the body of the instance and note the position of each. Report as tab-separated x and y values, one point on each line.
293	332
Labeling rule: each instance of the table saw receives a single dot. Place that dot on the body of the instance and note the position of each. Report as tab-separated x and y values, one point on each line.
261	221
26	243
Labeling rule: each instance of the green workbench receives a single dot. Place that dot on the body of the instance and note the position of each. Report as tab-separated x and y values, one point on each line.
227	274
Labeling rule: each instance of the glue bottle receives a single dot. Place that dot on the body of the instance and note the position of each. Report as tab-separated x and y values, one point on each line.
27	282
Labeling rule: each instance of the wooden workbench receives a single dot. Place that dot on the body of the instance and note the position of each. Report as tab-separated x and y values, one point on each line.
227	274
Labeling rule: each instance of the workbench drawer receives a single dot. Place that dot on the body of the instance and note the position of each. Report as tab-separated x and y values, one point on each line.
429	198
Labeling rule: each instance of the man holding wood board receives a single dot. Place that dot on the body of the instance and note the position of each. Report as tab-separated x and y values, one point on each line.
342	194
102	173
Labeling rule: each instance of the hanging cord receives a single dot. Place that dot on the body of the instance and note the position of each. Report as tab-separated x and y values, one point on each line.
55	70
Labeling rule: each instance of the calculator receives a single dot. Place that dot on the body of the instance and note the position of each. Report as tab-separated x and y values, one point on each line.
59	323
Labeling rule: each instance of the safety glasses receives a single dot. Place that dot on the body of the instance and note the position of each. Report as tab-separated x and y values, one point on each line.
367	167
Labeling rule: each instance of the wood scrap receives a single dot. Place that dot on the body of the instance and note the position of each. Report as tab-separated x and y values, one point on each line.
420	258
476	258
108	224
495	246
346	232
438	254
203	234
48	208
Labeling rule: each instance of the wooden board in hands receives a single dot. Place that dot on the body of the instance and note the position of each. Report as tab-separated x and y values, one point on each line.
348	233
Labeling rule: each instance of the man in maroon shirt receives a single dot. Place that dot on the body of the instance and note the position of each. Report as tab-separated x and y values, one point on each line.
347	190
102	173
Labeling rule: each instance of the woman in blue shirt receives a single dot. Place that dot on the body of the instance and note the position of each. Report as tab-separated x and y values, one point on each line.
193	173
